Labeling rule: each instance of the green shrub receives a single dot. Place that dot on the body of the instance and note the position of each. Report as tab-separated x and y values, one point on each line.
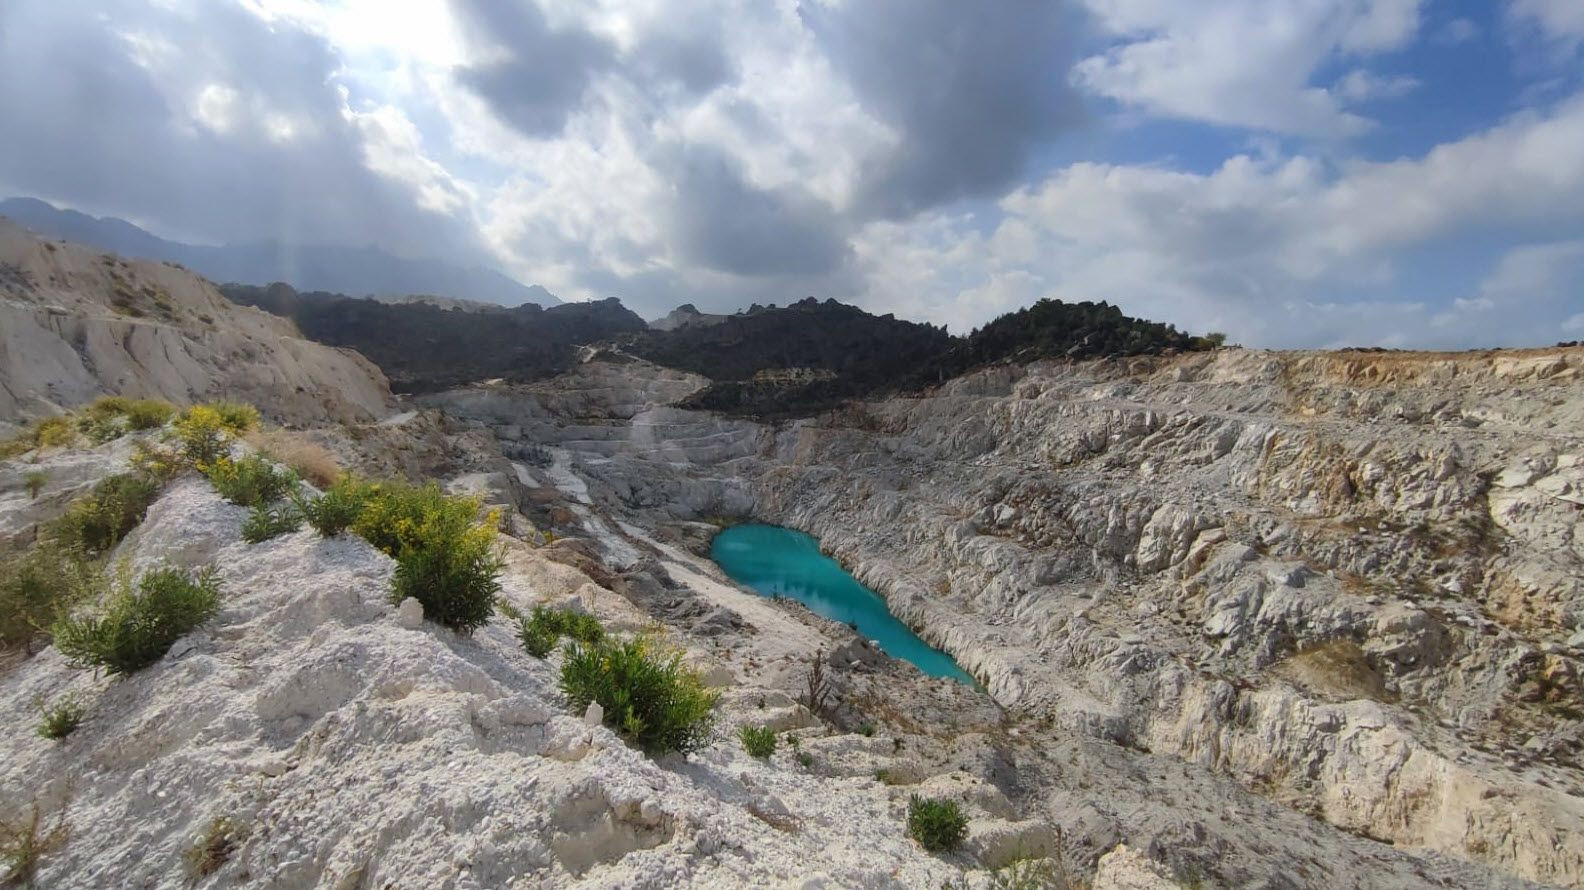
203	435
134	628
452	566
251	481
758	741
37	587
61	719
34	482
938	825
866	729
540	632
806	759
49	432
337	509
537	639
96	522
392	513
156	462
648	696
148	414
236	417
265	522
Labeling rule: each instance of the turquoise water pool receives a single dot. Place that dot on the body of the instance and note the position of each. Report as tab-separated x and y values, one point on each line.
775	561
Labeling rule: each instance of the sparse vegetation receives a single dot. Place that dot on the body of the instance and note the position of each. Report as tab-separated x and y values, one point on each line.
938	825
60	718
98	521
213	849
135	626
250	481
112	417
29	839
540	632
758	741
866	729
307	458
37	587
816	693
648	695
236	417
46	433
266	522
203	435
34	482
333	512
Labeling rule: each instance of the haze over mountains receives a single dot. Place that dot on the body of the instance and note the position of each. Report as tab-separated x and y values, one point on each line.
311	267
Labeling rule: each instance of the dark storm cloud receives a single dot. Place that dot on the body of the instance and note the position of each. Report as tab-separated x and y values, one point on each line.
974	90
725	224
88	125
532	76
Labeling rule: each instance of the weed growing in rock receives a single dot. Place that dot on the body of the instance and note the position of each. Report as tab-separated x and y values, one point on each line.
649	696
37	587
157	462
866	729
938	825
307	458
264	523
817	690
27	840
758	741
251	481
214	847
337	509
805	759
236	417
148	414
114	416
540	632
97	522
203	435
135	627
47	433
34	482
444	558
452	566
60	718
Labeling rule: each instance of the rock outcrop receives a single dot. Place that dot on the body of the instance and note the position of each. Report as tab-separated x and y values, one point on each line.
76	324
1348	581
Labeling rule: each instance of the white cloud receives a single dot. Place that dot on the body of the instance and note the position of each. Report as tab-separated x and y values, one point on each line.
1360	85
1261	248
1245	63
1561	19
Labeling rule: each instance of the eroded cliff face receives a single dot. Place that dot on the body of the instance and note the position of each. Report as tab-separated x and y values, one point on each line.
1348	581
76	324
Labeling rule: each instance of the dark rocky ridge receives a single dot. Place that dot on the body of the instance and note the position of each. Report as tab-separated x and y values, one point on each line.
423	348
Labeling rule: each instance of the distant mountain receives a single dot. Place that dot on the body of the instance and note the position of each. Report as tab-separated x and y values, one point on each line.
773	362
348	270
424	347
685	316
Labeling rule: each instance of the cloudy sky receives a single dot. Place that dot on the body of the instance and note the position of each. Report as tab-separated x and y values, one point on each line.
1292	172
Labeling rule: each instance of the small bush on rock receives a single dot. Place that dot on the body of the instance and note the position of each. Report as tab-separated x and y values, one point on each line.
203	435
61	719
236	417
148	414
337	509
251	481
540	632
97	522
34	482
264	523
758	741
649	696
37	587
938	825
307	458
135	627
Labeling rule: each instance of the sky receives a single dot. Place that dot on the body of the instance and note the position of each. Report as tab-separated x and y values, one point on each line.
1294	173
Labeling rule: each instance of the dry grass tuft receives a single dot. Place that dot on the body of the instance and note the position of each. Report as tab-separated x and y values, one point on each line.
311	460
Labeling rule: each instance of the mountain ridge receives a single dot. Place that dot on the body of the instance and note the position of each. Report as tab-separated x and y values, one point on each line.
341	269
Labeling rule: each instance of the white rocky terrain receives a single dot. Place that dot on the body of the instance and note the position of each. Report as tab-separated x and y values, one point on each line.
76	324
1240	619
1339	590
